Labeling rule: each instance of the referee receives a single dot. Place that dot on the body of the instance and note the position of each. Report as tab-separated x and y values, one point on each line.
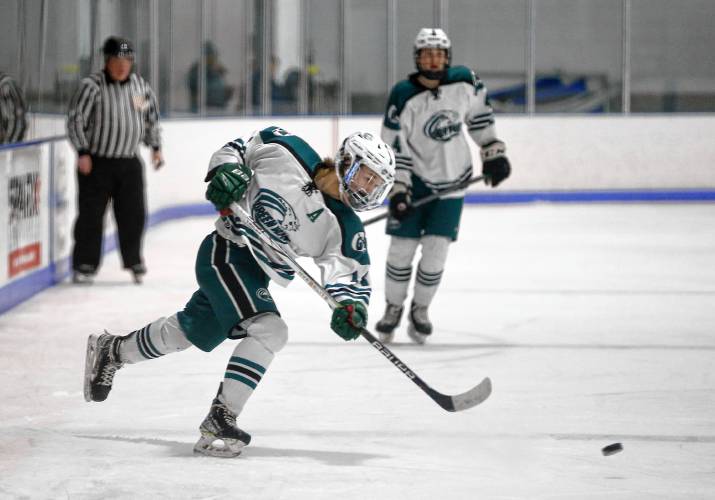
109	114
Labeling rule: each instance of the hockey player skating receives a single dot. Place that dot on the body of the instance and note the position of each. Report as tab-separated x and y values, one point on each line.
424	124
302	202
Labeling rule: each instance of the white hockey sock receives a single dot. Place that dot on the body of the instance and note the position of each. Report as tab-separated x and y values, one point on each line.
245	369
160	337
398	269
430	268
267	334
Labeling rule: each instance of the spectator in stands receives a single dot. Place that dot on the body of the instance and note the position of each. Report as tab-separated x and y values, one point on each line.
109	114
13	122
218	93
277	92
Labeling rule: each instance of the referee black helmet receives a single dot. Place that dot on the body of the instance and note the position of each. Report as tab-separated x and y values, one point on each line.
115	46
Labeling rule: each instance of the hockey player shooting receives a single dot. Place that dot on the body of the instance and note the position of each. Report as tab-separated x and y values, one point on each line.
306	204
423	123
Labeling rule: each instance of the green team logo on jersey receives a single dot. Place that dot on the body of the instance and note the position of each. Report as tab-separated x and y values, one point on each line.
280	132
274	215
392	117
264	295
443	125
359	242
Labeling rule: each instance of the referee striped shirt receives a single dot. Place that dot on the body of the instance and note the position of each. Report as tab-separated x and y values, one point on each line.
107	118
13	121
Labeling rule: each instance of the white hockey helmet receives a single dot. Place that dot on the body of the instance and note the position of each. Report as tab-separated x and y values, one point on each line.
432	38
365	167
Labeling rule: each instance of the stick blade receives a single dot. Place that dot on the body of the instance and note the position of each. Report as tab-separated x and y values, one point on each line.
474	396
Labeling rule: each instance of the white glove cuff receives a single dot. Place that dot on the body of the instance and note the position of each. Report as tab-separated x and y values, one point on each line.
492	150
399	187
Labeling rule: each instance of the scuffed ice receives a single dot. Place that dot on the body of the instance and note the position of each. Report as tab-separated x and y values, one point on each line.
595	324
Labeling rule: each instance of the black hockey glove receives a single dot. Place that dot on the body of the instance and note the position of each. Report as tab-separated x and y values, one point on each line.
400	202
495	165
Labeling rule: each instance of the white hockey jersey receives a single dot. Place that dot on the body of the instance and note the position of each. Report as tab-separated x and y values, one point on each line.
283	200
425	129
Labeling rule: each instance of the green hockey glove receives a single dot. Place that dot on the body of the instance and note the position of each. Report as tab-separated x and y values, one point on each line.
228	184
349	319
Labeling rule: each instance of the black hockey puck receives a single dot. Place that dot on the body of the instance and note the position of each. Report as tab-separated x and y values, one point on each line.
611	449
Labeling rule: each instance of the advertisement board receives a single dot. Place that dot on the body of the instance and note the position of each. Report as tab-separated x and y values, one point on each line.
24	212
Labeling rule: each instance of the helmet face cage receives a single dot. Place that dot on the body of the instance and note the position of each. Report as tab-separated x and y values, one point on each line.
366	169
432	38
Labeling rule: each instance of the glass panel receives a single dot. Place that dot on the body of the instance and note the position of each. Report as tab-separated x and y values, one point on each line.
578	51
672	56
323	56
578	56
67	53
183	51
163	87
367	55
287	47
227	59
490	37
10	39
259	57
140	35
11	45
30	49
126	18
412	15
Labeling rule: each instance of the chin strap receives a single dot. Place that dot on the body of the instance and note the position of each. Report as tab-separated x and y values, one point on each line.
433	75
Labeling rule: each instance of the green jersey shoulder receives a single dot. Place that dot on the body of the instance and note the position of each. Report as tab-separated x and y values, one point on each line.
300	149
354	243
401	93
462	74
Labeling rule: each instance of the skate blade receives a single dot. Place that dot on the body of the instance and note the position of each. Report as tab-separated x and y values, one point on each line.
89	366
416	336
386	338
209	446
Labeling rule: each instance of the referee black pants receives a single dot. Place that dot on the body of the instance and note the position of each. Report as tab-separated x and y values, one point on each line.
122	181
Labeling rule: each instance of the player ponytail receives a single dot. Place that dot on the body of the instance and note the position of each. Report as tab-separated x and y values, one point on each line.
326	163
326	166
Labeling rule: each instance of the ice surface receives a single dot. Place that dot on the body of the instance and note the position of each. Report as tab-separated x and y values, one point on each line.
595	323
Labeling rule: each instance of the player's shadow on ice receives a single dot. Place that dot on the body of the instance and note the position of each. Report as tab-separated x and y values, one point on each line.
183	449
434	346
98	284
341	458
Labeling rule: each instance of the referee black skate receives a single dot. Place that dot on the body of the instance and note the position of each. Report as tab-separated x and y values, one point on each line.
111	112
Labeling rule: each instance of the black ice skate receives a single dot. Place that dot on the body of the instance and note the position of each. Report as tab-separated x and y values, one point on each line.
101	363
420	326
219	435
390	320
138	272
84	274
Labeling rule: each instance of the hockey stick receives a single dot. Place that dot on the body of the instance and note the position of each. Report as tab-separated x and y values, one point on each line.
472	397
427	199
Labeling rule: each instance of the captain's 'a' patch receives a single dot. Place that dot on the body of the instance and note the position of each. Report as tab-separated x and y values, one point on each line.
314	215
